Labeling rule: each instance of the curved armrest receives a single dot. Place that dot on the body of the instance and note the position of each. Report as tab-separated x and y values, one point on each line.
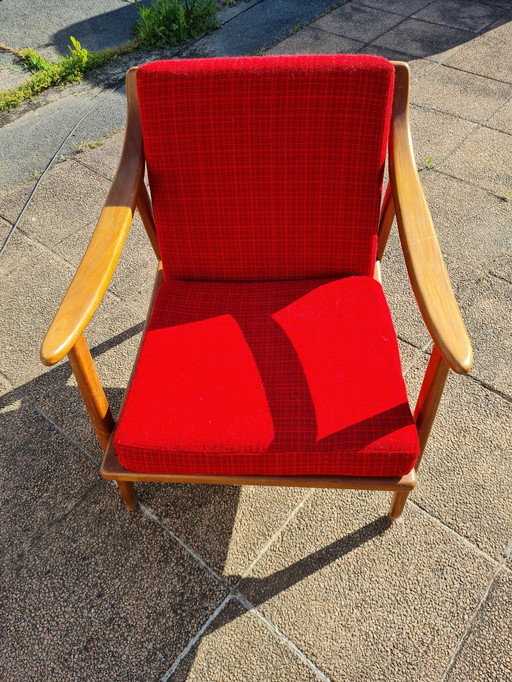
425	264
97	267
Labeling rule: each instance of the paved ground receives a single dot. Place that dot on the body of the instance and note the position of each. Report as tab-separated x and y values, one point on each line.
207	583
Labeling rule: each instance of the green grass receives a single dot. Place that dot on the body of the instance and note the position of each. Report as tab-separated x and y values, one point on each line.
172	22
46	73
163	24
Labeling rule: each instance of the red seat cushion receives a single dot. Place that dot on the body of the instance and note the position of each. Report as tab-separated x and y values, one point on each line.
269	378
266	168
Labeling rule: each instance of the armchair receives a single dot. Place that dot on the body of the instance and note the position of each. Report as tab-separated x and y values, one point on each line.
269	356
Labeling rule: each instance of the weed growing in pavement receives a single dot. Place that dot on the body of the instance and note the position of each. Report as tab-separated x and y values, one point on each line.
172	22
429	163
84	145
46	73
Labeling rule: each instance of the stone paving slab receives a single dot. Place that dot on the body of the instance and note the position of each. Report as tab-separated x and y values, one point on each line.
30	141
80	607
484	160
43	477
14	199
227	526
403	7
314	41
469	16
5	385
257	28
341	583
498	3
462	94
404	308
488	312
423	39
107	118
502	267
481	55
237	647
418	68
473	226
486	653
34	281
114	338
358	22
81	195
104	158
502	119
11	73
464	477
5	228
436	135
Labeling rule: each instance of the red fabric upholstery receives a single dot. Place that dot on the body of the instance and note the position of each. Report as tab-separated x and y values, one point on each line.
266	168
275	378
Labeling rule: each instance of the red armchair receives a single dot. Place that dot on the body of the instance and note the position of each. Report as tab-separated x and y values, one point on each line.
269	355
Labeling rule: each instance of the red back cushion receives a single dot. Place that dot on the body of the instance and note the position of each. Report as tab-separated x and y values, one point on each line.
266	168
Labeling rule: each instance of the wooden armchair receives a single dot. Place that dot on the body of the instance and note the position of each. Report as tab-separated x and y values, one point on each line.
269	355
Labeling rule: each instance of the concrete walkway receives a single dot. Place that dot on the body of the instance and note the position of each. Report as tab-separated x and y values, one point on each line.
220	584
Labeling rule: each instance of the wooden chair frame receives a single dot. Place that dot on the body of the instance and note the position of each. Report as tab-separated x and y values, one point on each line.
429	278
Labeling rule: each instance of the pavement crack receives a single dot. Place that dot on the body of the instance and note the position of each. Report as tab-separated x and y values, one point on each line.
195	639
488	387
271	627
471	622
470	545
37	539
49	165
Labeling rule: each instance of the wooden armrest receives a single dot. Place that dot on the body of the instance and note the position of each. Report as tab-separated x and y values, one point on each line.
97	267
425	264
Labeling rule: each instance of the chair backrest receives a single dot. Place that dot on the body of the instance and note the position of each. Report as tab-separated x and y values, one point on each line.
266	168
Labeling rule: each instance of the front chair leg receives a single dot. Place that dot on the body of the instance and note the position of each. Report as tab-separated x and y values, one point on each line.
424	414
397	505
97	406
127	490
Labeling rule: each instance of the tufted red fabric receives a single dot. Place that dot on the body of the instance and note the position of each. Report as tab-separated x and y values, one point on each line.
266	168
270	378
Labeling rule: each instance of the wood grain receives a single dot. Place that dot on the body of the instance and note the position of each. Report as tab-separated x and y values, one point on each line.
145	210
97	267
91	390
427	272
387	215
429	397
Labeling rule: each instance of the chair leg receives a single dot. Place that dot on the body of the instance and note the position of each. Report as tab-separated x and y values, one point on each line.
128	493
397	505
424	414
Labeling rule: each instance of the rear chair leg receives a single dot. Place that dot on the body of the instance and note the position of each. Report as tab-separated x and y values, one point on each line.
128	493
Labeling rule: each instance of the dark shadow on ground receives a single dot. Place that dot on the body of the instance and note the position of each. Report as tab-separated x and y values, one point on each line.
215	506
110	29
115	27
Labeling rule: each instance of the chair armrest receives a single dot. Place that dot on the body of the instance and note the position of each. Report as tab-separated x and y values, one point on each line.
425	264
98	264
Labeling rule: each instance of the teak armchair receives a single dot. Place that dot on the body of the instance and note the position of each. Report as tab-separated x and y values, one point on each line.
268	356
